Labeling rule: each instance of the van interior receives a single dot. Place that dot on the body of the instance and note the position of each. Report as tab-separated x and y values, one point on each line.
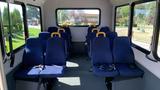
79	45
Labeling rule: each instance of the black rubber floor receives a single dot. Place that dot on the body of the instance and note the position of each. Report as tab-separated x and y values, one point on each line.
78	77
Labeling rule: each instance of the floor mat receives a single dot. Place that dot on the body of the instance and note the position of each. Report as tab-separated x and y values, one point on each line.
78	77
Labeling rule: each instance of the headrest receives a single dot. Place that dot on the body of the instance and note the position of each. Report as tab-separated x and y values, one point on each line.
52	29
95	29
101	33
32	41
56	33
44	35
61	29
105	29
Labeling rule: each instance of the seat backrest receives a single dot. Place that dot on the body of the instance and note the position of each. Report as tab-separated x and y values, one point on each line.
122	51
105	29
90	29
100	51
55	52
92	34
52	29
44	36
68	31
33	53
111	36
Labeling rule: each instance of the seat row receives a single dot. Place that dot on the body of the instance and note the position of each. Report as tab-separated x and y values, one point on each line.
43	58
65	34
50	48
92	31
116	62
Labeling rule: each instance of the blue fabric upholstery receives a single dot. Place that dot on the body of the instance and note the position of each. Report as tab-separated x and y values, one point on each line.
33	53
69	36
101	55
124	58
100	51
89	30
52	29
66	37
127	71
105	73
44	36
68	31
122	50
55	52
33	56
111	36
89	41
105	29
23	74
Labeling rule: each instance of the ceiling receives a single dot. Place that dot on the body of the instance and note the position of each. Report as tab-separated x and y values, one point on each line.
41	2
120	2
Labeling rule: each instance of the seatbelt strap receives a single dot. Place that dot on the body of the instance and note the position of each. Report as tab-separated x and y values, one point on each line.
12	58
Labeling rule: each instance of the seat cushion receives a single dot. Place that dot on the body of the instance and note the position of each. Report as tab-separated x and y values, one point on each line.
52	71
129	71
104	72
30	73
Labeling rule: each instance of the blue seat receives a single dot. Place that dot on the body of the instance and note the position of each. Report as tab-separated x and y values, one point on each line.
89	39
69	37
101	57
111	35
66	38
90	30
124	58
55	52
105	29
33	56
55	60
68	31
52	29
44	36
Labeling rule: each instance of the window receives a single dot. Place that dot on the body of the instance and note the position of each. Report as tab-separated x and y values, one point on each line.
5	26
144	15
14	27
158	49
122	20
34	20
78	17
17	26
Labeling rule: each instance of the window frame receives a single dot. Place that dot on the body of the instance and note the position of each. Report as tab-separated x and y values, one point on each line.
115	15
78	9
133	44
157	33
24	21
10	41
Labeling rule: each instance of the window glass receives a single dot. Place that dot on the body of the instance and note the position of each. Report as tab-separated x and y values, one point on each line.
17	25
158	51
34	21
122	19
78	17
144	15
5	24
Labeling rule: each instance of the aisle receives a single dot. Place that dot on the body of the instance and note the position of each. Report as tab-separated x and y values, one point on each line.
78	77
